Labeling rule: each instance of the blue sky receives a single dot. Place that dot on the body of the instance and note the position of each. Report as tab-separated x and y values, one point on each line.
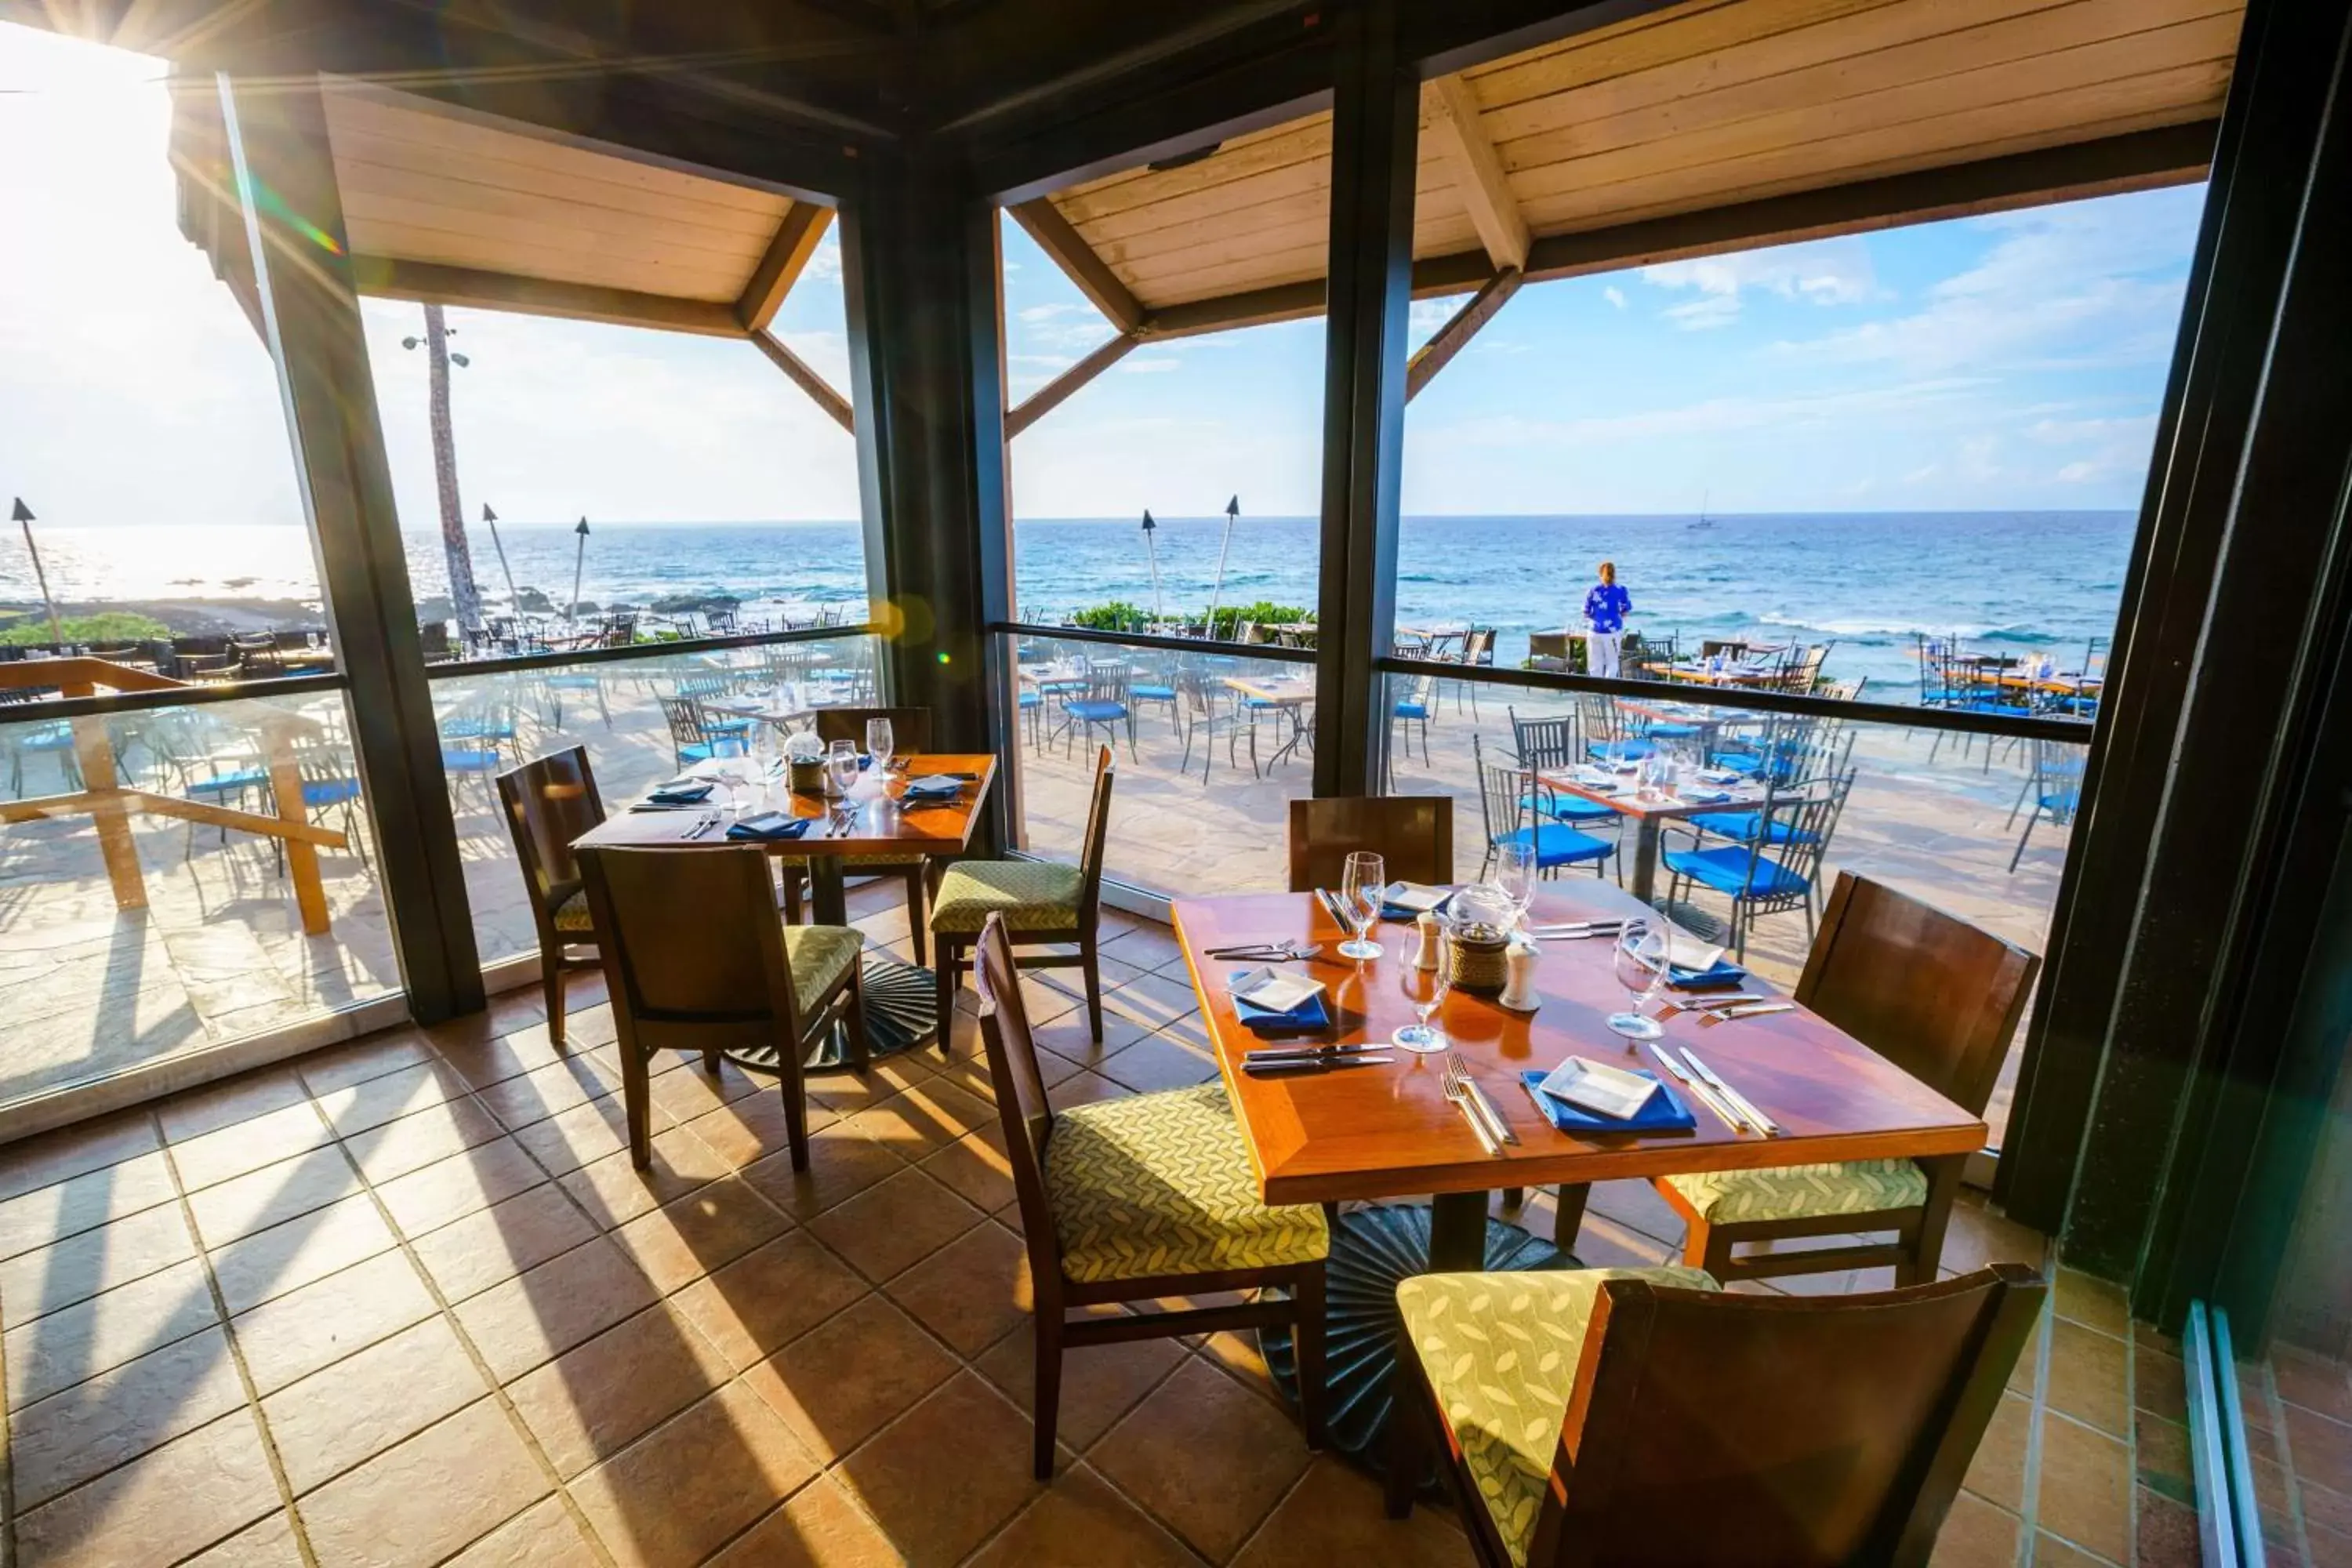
2010	362
1999	363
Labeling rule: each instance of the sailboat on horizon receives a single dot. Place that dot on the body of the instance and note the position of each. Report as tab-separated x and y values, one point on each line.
1703	519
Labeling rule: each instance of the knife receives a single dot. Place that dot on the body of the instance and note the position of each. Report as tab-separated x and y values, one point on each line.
1331	907
1747	1010
1315	1063
1698	1090
1495	1123
1292	1052
1740	1101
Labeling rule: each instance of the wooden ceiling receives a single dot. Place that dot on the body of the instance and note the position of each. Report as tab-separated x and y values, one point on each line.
1699	106
437	203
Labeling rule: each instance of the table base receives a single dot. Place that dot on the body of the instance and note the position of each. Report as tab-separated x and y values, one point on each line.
1371	1251
901	1013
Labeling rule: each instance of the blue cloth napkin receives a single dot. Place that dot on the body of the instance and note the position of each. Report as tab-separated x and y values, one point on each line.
1309	1018
1399	913
681	794
932	788
1723	972
770	825
1706	796
1663	1112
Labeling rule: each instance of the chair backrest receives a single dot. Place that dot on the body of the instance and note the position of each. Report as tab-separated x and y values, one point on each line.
1021	1102
1413	834
694	954
1602	721
1545	743
1108	680
1840	690
684	716
910	728
1502	793
1090	852
550	801
1810	1431
1478	646
1936	995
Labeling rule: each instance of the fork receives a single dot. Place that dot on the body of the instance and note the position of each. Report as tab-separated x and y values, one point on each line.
1745	1010
1457	1090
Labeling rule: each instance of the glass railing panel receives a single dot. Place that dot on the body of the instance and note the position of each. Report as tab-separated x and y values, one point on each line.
1977	826
490	722
1212	747
229	887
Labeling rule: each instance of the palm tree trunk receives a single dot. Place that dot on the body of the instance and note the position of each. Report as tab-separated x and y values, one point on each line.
463	596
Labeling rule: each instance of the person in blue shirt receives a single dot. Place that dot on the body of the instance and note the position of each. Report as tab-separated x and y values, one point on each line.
1606	605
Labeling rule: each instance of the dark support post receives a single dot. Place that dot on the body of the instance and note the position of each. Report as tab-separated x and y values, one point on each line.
311	314
2163	893
1376	112
927	371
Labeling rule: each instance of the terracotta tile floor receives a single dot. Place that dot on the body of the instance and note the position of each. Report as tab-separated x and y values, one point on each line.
405	1301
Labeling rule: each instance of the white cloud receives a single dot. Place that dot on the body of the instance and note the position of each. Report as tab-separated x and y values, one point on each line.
1614	295
1823	272
1722	415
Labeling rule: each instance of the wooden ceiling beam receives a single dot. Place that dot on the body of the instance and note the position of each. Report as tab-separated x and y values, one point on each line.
804	376
1455	336
1071	253
1460	135
390	278
787	256
1065	386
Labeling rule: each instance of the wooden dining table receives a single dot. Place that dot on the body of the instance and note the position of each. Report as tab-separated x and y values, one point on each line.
900	998
1387	1133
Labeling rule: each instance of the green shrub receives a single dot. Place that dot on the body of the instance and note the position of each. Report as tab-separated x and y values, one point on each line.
1263	612
108	627
1118	616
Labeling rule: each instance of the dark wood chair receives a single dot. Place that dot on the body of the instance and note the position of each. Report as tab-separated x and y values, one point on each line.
1043	902
910	735
1136	1200
1413	834
1694	1426
549	802
1940	999
697	961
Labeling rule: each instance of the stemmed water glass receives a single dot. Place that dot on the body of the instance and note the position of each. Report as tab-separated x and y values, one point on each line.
1515	878
1641	977
1362	889
841	766
1426	989
879	743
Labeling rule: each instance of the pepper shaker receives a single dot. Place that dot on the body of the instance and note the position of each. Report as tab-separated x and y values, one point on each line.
1519	977
1426	956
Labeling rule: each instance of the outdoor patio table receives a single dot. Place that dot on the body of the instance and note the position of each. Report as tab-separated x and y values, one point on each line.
1289	694
1700	675
899	997
1649	815
1387	1132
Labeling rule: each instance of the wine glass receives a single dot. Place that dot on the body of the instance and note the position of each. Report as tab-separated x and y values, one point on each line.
1426	989
1640	978
1362	890
1515	877
879	741
841	766
728	749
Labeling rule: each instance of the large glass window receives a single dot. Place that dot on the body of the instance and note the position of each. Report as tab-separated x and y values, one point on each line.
177	877
717	497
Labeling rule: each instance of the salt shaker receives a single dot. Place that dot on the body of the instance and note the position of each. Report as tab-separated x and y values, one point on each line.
1519	977
1425	956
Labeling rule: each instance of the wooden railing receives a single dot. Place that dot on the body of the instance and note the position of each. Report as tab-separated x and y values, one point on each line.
110	806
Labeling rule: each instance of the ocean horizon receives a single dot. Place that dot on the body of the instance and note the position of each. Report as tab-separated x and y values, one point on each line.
1870	581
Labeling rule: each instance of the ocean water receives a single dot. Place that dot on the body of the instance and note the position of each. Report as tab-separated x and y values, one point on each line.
1869	581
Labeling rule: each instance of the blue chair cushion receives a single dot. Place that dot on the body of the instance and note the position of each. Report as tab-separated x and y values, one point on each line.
1671	731
1412	710
1030	699
1097	712
226	783
469	759
1741	825
1560	845
573	683
479	730
726	726
1154	693
694	752
1631	750
1726	870
2005	709
55	738
329	792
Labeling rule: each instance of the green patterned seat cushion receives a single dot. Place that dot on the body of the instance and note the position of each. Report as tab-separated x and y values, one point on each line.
1160	1184
819	956
1803	1192
1500	1352
571	914
1031	895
